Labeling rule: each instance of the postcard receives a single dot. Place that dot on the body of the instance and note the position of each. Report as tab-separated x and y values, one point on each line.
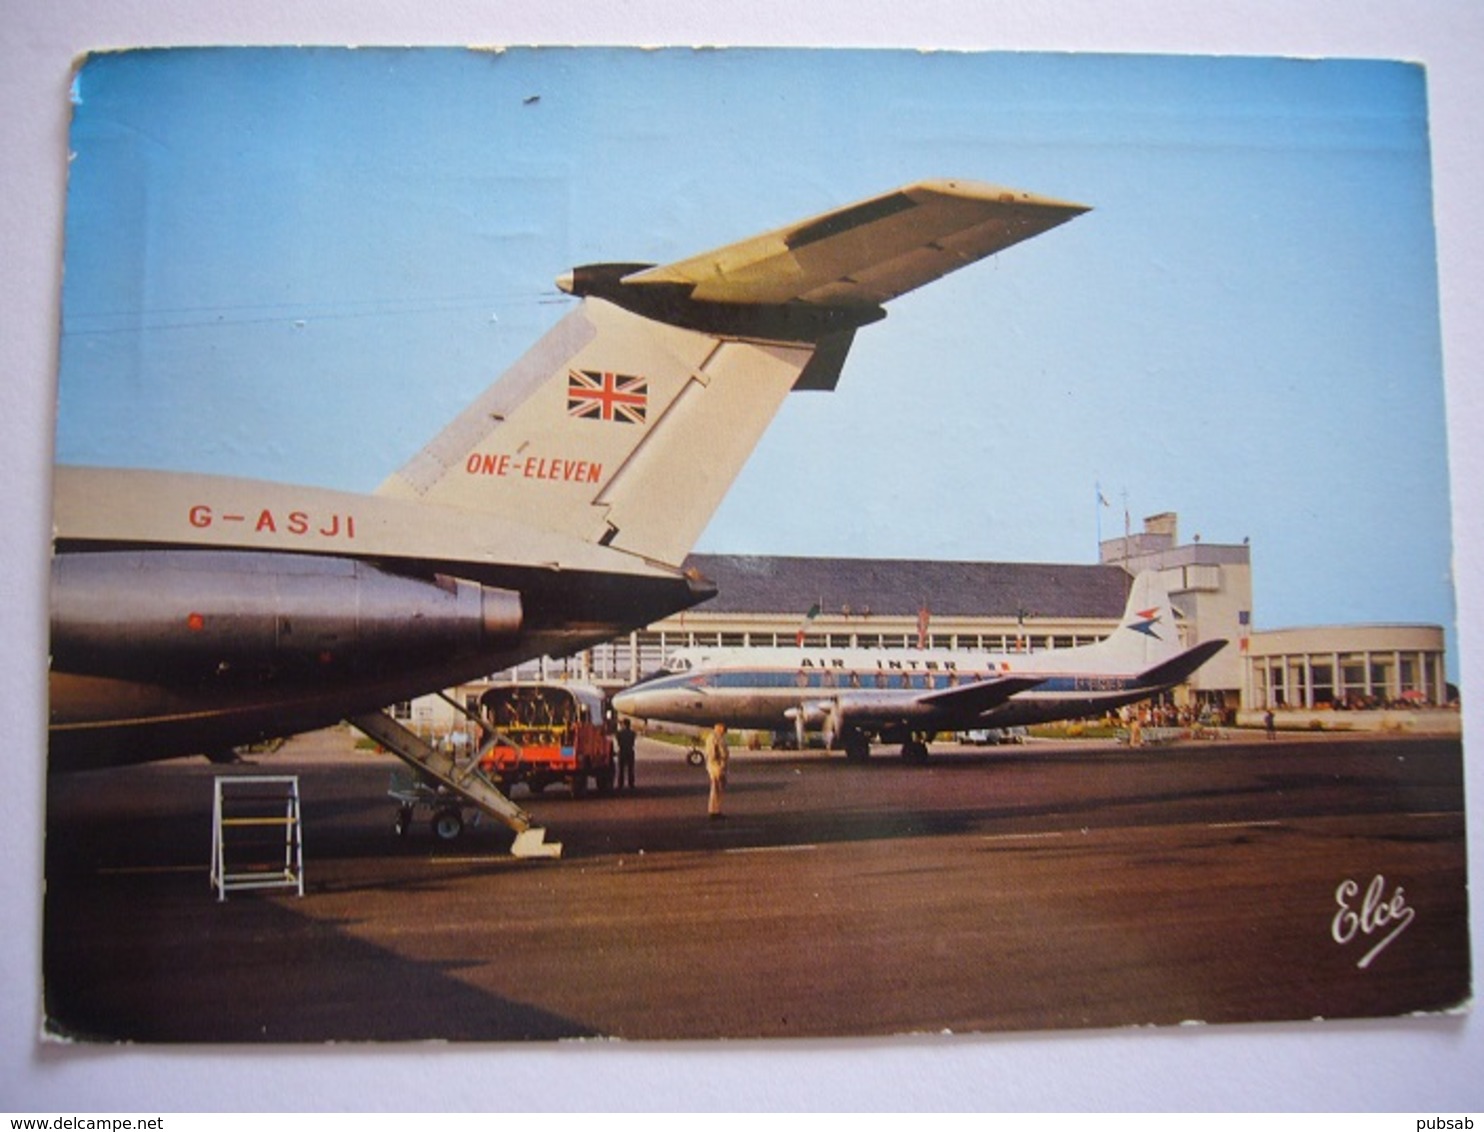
563	543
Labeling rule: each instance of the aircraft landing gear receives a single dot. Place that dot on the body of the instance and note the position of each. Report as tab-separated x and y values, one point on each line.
857	746
915	751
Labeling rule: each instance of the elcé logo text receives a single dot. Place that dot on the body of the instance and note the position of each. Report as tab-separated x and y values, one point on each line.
1376	913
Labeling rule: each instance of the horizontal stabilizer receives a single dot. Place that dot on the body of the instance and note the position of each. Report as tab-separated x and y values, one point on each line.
1175	670
982	696
865	254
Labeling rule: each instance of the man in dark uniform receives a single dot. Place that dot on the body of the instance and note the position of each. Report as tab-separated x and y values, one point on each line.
624	740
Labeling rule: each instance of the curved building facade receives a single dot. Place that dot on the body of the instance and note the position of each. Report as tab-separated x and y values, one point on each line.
1346	667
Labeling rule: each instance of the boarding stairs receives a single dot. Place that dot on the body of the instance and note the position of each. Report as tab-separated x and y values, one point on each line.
462	776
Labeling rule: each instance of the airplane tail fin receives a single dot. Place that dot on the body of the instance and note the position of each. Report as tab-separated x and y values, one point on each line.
1147	634
628	421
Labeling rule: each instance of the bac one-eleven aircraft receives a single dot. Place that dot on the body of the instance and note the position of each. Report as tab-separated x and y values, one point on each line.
853	695
193	613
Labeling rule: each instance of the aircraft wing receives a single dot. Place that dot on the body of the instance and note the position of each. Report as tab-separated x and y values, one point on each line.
870	252
982	696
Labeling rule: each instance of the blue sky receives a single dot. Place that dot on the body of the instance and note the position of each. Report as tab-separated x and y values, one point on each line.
298	265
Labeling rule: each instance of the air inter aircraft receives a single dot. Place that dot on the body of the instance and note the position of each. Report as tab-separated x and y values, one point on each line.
897	695
193	613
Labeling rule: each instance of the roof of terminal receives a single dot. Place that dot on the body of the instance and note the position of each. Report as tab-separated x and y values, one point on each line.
901	587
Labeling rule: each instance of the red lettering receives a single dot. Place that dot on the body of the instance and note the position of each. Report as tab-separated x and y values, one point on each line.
535	468
487	464
295	523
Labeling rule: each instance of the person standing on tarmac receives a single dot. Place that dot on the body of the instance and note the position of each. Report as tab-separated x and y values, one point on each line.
716	767
624	741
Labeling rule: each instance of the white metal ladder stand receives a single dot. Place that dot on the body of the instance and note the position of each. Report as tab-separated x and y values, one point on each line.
246	803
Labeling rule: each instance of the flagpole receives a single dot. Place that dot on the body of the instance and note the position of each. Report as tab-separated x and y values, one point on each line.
1099	502
1097	505
1125	528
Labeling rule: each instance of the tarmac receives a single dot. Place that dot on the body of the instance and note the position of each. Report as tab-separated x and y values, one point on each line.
1052	885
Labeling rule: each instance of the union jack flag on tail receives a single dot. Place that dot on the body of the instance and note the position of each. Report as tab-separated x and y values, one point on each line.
600	396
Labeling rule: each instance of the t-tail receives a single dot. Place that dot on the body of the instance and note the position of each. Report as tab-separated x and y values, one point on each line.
625	425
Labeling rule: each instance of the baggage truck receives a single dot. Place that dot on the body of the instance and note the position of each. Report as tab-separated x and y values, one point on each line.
540	733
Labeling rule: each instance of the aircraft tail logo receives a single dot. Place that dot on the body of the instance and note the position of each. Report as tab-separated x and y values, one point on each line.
1147	620
596	396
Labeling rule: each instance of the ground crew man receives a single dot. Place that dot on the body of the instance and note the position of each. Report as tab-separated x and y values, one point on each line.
624	741
716	766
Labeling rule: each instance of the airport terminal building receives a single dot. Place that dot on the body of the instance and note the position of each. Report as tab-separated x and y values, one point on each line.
988	606
1033	607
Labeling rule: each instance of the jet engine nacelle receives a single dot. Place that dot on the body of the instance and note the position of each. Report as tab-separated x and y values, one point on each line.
131	614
